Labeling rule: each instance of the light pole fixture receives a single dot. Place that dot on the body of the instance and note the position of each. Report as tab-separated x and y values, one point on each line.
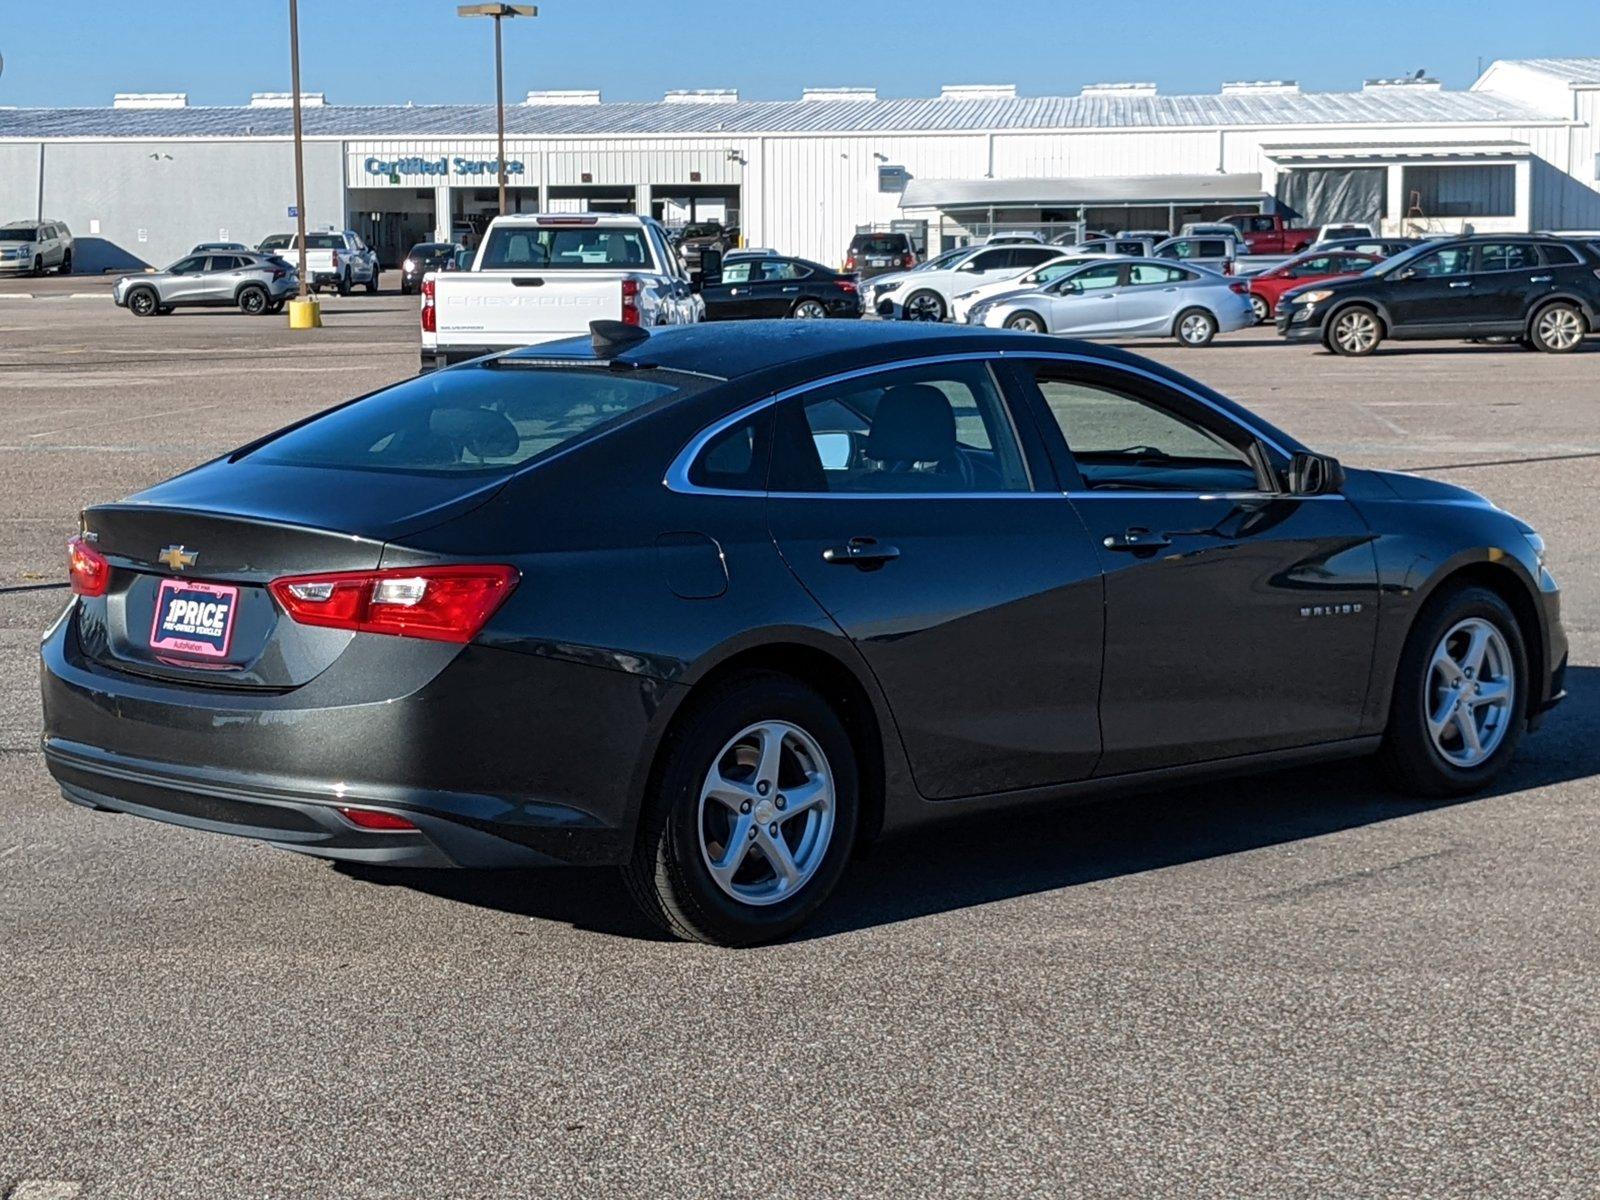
499	12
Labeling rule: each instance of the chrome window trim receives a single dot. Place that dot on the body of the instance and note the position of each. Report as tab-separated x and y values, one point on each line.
677	474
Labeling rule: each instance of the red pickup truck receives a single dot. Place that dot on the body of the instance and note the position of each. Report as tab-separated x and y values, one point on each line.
1269	233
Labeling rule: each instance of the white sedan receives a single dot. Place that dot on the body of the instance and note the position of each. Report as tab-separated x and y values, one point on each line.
1031	281
1127	297
927	293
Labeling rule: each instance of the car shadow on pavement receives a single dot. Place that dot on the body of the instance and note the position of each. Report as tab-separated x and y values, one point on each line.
980	859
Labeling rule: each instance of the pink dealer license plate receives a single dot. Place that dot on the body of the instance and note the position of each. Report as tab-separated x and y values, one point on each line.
193	618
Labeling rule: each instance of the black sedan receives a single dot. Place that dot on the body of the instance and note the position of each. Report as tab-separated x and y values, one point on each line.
1542	292
721	604
422	258
780	287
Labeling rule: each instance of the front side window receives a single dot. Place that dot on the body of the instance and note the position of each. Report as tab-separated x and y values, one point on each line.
1261	224
1031	256
1124	442
186	266
1452	260
774	270
940	428
1094	279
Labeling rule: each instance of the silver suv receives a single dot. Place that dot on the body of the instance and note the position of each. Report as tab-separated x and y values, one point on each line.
34	247
257	283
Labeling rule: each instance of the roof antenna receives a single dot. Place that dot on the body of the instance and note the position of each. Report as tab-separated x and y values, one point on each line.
611	338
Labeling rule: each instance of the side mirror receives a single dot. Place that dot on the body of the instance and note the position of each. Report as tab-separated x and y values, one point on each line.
1314	474
710	266
1408	273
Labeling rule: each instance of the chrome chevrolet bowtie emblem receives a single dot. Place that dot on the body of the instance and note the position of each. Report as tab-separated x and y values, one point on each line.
177	557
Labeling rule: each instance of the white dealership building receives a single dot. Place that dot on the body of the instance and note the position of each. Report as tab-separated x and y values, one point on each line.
141	181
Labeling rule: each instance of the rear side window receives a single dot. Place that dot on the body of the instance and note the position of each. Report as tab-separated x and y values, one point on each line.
1507	256
1559	256
1156	273
469	420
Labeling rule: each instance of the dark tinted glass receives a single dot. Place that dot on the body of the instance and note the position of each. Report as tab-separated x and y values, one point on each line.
584	247
324	241
18	235
480	419
1559	256
878	243
736	459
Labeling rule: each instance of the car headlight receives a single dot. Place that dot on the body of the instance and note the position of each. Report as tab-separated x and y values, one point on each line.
411	264
1315	296
885	288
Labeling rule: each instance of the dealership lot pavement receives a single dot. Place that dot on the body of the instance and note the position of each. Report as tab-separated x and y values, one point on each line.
1293	985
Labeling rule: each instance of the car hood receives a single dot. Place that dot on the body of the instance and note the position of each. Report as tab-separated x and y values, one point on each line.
1418	487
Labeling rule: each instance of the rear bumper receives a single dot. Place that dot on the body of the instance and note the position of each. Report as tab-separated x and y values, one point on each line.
435	358
500	758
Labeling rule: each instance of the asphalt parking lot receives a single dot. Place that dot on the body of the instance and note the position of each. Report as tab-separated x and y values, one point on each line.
1295	985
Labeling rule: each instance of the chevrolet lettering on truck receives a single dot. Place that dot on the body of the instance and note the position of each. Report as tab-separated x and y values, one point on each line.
542	277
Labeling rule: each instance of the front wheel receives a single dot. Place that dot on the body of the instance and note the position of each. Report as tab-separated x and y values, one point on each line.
1458	706
925	306
1025	322
1195	327
1355	333
809	310
752	815
1558	328
372	284
38	264
66	264
142	302
1259	307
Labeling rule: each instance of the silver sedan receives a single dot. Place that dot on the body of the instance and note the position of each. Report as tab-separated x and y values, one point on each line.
255	283
1126	297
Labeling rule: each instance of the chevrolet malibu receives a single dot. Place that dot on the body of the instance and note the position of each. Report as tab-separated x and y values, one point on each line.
723	604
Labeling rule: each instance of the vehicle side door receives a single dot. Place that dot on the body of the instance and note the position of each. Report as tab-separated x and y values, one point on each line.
1432	294
1085	302
219	280
1238	618
1509	277
184	281
732	297
923	518
1149	300
985	267
1264	235
779	283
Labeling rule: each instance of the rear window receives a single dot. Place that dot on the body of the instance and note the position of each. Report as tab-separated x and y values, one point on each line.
589	247
879	244
278	241
473	420
324	241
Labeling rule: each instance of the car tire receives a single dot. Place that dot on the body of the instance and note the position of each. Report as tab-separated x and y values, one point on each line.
344	284
1354	332
66	264
405	288
809	310
1558	328
1259	307
143	302
1026	322
275	307
721	745
1195	327
372	284
924	306
38	264
254	301
1427	750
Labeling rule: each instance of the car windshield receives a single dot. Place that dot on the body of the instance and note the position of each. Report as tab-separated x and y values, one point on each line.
1399	261
694	231
18	235
430	250
484	420
584	248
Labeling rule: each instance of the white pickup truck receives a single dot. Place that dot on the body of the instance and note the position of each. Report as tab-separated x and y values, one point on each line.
340	259
542	277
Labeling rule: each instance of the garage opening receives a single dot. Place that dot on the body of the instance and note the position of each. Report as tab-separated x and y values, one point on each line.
391	220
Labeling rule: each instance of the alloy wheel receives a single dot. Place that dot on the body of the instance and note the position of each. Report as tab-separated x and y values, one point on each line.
1559	328
1195	329
1470	692
809	310
925	306
1025	323
1356	331
1259	307
766	813
142	302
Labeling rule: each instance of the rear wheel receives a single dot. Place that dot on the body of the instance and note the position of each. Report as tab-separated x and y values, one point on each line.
372	284
142	302
809	310
38	264
66	263
1195	327
1458	706
1355	332
1558	328
253	301
1259	307
344	284
925	306
1025	322
751	816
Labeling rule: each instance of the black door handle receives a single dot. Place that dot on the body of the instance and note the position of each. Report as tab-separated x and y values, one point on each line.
866	553
1137	539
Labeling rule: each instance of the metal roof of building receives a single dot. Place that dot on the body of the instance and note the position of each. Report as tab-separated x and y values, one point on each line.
1385	106
1581	72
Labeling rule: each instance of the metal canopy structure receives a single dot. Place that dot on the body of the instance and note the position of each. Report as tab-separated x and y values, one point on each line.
1351	153
954	195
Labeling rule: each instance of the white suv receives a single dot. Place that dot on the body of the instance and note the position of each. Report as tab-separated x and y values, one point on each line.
927	293
34	247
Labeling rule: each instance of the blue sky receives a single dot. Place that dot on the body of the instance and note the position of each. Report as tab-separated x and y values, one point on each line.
391	51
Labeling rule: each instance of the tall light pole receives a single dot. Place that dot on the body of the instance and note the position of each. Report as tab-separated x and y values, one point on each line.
499	12
299	151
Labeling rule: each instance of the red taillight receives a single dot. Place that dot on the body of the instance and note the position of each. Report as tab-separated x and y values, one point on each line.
87	568
430	318
1227	268
372	818
442	604
630	301
279	274
1240	288
335	260
850	262
847	285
